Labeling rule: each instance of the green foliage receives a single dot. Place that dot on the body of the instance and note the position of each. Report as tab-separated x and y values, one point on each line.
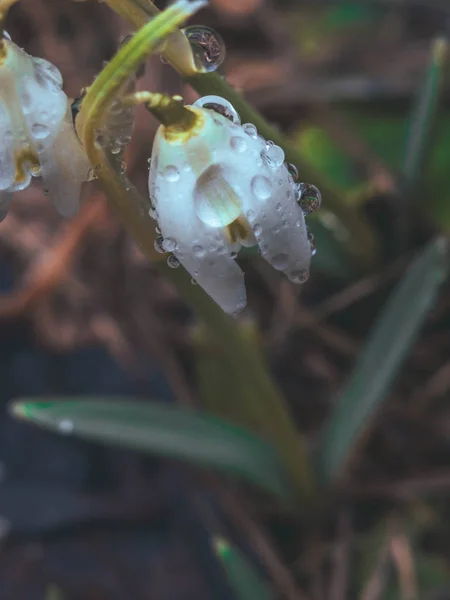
162	430
421	121
385	351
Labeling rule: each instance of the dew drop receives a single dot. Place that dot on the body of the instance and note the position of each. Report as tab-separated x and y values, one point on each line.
298	276
159	244
261	187
257	229
207	46
234	254
280	261
169	244
194	281
173	262
278	207
39	131
198	251
152	213
215	202
171	173
220	106
238	144
250	130
312	242
309	197
273	155
293	171
250	214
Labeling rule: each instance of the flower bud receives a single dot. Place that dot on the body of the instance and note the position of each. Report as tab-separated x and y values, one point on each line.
220	186
37	137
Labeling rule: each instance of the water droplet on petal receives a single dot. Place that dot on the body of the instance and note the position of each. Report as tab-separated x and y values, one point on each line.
198	251
238	144
312	243
278	207
234	255
293	171
171	173
39	131
159	244
194	281
309	197
261	187
169	244
215	201
250	215
298	276
48	74
279	261
152	213
250	130
257	229
207	46
220	106
173	262
273	155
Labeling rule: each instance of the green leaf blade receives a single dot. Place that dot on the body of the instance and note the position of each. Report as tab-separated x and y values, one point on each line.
163	430
423	116
382	357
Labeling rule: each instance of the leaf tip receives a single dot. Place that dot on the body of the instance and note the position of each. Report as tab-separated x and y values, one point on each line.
222	547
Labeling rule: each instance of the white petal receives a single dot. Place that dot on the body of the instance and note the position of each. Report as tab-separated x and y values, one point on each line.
204	251
64	167
44	106
266	192
278	224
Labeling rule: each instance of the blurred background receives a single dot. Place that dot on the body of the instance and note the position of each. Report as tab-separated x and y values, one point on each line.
83	312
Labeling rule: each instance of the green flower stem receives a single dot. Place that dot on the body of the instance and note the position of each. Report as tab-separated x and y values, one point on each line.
361	244
133	210
255	396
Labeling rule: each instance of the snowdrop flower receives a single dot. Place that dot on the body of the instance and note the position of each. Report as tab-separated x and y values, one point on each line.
219	186
37	137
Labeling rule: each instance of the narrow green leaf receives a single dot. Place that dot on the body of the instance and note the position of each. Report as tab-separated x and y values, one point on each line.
163	430
227	390
243	579
422	117
387	347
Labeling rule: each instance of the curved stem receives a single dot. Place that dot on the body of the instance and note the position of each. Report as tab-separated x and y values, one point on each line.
176	50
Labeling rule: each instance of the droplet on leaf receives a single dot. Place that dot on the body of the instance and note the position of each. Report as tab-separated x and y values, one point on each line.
207	46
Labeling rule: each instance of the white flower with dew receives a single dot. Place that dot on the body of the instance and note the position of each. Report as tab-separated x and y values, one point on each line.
219	186
37	136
